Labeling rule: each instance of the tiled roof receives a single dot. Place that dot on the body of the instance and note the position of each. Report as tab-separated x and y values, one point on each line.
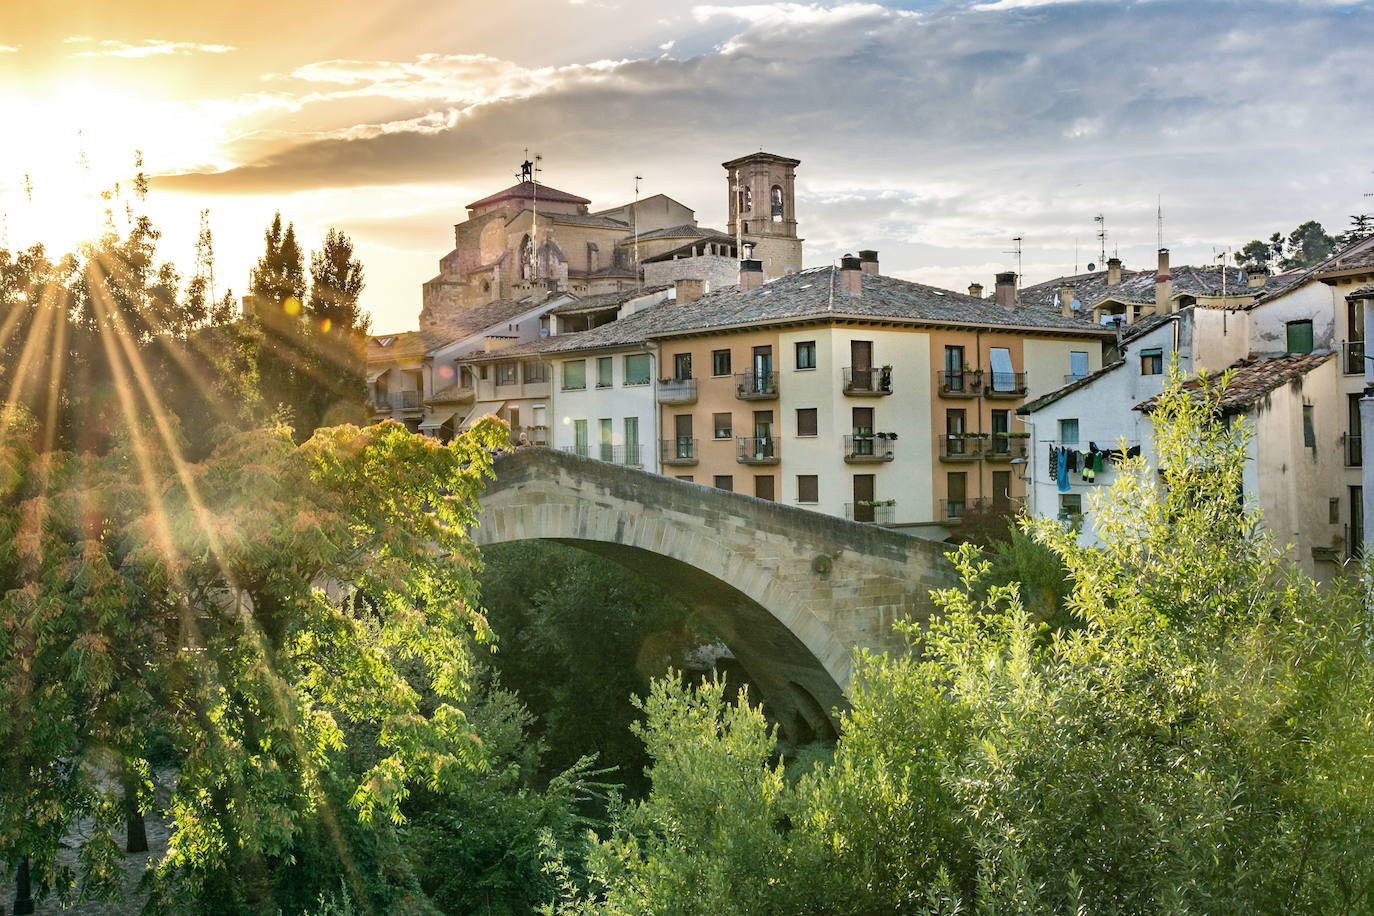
685	231
1045	400
1251	379
673	254
584	219
628	331
1138	286
606	300
455	393
815	294
528	190
458	326
1362	292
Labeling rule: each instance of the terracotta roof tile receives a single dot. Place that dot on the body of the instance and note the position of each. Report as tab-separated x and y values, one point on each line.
1251	380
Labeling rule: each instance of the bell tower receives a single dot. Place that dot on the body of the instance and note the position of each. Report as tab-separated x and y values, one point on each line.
762	209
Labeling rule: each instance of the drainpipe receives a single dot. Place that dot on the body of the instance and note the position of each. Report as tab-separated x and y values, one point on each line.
1031	449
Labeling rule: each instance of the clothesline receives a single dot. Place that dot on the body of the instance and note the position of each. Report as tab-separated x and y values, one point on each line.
1089	463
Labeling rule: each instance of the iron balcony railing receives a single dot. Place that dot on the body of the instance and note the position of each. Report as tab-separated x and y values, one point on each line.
859	382
678	451
961	446
756	386
1352	357
959	383
630	455
959	510
875	512
758	450
398	400
861	449
1352	445
1005	385
529	435
677	391
1004	447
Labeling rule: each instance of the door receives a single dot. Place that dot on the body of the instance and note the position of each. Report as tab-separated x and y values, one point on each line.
865	488
954	431
763	433
682	366
607	437
863	430
1354	451
682	435
580	437
763	370
632	441
1001	489
1001	426
861	364
954	368
1003	377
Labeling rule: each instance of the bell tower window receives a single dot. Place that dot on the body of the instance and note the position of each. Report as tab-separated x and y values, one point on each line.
527	258
775	197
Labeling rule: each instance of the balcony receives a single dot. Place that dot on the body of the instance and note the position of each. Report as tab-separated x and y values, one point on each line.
961	446
1352	357
959	511
862	383
1352	447
758	450
756	386
677	391
529	435
397	400
959	383
627	455
679	452
869	449
1006	385
873	512
1006	447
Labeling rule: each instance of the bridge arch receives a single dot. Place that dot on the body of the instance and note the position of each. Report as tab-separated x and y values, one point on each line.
791	591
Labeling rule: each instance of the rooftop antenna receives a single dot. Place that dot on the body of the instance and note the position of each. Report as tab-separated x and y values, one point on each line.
1075	254
529	172
1016	250
634	227
1159	221
1102	235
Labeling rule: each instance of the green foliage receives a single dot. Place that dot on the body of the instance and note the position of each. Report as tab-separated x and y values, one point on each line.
1306	246
1198	742
262	608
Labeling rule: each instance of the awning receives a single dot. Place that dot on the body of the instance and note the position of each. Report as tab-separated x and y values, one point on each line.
374	374
439	417
480	410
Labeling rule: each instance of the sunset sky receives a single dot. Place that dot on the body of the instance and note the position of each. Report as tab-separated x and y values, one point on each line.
931	131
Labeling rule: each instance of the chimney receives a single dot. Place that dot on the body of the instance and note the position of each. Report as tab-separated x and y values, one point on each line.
975	290
1066	300
1164	285
750	274
1255	278
851	276
1113	271
1006	289
868	261
688	290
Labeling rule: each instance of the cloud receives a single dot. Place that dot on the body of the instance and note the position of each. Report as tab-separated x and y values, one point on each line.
147	48
8	49
939	135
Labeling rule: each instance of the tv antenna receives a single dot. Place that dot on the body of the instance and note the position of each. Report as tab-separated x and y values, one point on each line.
1016	250
1102	235
1159	222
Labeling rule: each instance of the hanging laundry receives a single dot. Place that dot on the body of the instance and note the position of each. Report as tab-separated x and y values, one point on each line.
1063	471
1073	458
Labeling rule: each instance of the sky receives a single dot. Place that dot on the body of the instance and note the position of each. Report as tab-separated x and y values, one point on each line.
933	132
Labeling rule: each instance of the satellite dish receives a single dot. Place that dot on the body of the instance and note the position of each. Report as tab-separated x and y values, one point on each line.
1091	267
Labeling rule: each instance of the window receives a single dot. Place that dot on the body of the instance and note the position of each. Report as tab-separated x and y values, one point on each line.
535	371
507	373
1309	432
637	369
806	354
954	368
606	427
682	366
763	486
956	489
862	420
1068	432
1078	363
632	440
720	363
721	425
1001	438
724	482
482	372
1152	362
806	421
1003	375
574	374
1070	506
1300	336
1001	486
686	477
1356	540
580	437
605	372
808	488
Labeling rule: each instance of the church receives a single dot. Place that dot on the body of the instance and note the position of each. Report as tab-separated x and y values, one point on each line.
532	239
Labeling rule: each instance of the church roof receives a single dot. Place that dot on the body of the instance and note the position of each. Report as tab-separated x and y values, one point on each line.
529	190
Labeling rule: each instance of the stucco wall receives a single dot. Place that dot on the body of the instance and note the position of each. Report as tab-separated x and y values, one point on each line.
717	270
614	403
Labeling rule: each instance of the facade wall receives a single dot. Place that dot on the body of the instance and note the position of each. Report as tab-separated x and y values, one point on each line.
1311	300
1216	338
614	403
717	270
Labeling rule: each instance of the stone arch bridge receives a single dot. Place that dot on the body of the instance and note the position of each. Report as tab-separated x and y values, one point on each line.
792	592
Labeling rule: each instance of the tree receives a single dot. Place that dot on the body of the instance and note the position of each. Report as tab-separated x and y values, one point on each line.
1197	742
336	282
275	611
1307	246
1361	228
1255	256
